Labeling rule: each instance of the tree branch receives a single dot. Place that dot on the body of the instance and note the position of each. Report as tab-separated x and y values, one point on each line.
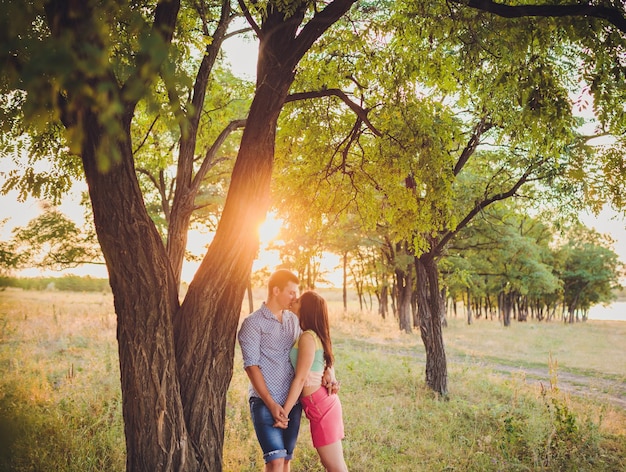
208	160
248	16
236	32
360	112
615	16
145	138
481	127
165	15
320	22
483	204
189	125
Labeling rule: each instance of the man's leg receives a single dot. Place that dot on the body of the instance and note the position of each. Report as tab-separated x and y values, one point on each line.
290	435
271	439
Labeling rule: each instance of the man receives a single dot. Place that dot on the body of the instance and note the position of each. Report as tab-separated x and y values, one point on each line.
266	337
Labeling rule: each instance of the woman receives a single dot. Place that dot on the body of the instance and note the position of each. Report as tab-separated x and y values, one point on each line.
311	355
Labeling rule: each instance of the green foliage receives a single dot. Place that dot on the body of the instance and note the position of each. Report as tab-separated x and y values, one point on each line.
53	241
50	64
125	65
505	252
160	132
9	256
468	116
589	269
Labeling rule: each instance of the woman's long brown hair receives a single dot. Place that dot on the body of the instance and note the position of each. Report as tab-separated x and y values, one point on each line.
314	316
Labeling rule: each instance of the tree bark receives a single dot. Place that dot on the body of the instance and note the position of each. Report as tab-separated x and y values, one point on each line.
430	306
383	305
506	309
206	327
176	362
187	185
144	290
404	289
145	298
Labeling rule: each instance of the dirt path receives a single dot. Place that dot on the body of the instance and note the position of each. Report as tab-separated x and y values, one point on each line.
605	389
608	390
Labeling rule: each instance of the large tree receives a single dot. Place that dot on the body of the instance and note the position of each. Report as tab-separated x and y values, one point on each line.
469	117
79	70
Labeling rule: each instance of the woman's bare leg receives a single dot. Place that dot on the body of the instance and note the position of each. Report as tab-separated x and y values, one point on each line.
332	457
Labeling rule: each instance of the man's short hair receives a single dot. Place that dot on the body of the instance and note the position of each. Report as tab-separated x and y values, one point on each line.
280	279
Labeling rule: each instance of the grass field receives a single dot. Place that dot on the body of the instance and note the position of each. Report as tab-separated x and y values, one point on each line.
60	404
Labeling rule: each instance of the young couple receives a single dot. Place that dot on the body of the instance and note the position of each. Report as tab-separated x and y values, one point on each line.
289	362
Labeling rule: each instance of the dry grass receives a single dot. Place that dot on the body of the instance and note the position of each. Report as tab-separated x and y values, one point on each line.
60	406
60	385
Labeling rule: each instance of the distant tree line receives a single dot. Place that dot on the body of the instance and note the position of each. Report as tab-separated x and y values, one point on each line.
68	283
505	265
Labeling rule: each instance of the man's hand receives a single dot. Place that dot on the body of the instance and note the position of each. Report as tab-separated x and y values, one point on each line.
281	420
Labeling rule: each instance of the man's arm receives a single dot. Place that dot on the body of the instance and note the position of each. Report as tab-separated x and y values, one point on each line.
258	382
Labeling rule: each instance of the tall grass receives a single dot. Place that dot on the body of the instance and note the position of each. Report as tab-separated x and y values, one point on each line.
60	401
60	405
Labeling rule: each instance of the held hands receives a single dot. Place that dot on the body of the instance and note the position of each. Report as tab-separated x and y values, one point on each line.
281	415
281	418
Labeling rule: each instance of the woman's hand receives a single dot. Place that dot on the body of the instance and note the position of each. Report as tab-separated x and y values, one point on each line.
281	417
283	420
329	381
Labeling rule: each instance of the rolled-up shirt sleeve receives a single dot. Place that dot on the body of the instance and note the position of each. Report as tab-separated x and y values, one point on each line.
250	342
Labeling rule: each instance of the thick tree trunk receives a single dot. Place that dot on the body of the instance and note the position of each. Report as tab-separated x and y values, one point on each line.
383	303
176	362
207	325
430	305
206	328
394	299
414	311
444	308
145	299
506	309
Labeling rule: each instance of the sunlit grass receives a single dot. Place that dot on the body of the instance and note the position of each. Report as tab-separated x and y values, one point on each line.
60	405
60	401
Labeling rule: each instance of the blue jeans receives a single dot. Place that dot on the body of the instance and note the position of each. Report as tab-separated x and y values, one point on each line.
276	443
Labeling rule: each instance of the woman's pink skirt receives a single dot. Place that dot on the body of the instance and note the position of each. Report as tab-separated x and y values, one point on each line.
325	417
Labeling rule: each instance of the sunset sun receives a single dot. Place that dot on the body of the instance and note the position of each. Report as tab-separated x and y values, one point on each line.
268	232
